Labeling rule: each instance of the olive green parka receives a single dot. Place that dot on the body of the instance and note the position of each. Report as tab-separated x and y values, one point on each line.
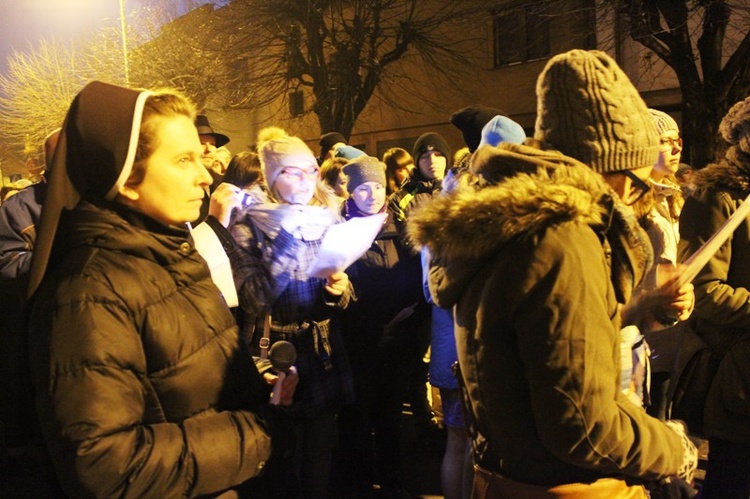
536	262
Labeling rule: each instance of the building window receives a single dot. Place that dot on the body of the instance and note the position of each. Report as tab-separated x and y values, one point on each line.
296	103
521	34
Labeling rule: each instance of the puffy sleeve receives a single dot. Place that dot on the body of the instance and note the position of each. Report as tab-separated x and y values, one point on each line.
108	432
568	347
18	216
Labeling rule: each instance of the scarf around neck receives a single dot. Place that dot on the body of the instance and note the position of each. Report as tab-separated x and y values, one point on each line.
351	210
267	218
632	255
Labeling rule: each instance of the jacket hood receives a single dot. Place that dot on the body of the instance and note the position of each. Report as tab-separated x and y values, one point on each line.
520	191
116	228
732	173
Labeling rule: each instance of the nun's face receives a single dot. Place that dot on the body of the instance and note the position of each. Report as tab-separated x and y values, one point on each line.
175	181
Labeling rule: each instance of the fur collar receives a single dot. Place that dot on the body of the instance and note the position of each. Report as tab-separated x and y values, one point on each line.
732	173
525	191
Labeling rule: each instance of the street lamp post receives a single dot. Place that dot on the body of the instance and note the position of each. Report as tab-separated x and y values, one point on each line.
123	28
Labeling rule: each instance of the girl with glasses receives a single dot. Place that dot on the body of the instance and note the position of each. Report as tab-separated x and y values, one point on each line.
277	242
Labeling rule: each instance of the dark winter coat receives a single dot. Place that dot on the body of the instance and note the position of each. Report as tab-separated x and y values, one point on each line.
19	215
535	264
415	192
386	279
722	291
142	387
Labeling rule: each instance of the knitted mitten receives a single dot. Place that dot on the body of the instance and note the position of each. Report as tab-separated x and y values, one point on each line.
689	454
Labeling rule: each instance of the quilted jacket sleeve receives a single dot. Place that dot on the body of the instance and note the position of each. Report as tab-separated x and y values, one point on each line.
94	400
18	216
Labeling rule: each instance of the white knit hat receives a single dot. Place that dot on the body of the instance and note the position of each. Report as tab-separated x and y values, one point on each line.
277	154
663	121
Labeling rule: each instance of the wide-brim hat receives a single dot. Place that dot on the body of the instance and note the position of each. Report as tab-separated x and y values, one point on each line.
204	128
94	156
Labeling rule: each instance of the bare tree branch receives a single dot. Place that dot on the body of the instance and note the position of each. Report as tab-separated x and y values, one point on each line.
341	51
711	75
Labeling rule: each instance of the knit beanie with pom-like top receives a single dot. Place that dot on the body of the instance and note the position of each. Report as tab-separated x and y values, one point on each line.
279	153
588	109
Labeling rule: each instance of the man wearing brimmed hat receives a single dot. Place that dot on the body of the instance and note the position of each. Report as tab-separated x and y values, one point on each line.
211	141
537	256
207	134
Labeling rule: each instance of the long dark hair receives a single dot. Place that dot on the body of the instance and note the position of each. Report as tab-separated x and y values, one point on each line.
244	170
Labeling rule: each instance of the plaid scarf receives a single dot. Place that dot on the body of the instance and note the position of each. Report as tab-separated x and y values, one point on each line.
267	218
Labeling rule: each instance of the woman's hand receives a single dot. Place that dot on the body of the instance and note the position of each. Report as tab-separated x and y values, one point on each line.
288	386
225	198
677	303
336	284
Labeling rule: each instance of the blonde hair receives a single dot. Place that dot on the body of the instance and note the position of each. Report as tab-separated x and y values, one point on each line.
330	170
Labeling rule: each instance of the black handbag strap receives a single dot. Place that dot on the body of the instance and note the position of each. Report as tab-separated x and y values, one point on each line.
265	340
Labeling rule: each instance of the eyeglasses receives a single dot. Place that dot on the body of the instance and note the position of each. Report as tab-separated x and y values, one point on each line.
294	173
639	189
672	143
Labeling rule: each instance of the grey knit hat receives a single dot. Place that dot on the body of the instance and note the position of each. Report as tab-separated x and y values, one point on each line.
364	169
588	109
663	121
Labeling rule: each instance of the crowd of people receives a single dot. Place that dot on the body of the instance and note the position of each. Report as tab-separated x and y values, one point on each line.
167	331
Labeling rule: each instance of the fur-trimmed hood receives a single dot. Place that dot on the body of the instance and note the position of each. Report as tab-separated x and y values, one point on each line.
732	173
521	191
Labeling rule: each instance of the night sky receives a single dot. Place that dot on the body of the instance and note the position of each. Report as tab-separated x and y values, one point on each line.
25	22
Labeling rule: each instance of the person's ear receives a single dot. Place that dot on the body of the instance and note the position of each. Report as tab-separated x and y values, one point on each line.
128	192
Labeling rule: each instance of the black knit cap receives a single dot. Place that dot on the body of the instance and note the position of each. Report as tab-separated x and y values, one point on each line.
327	140
431	140
470	121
